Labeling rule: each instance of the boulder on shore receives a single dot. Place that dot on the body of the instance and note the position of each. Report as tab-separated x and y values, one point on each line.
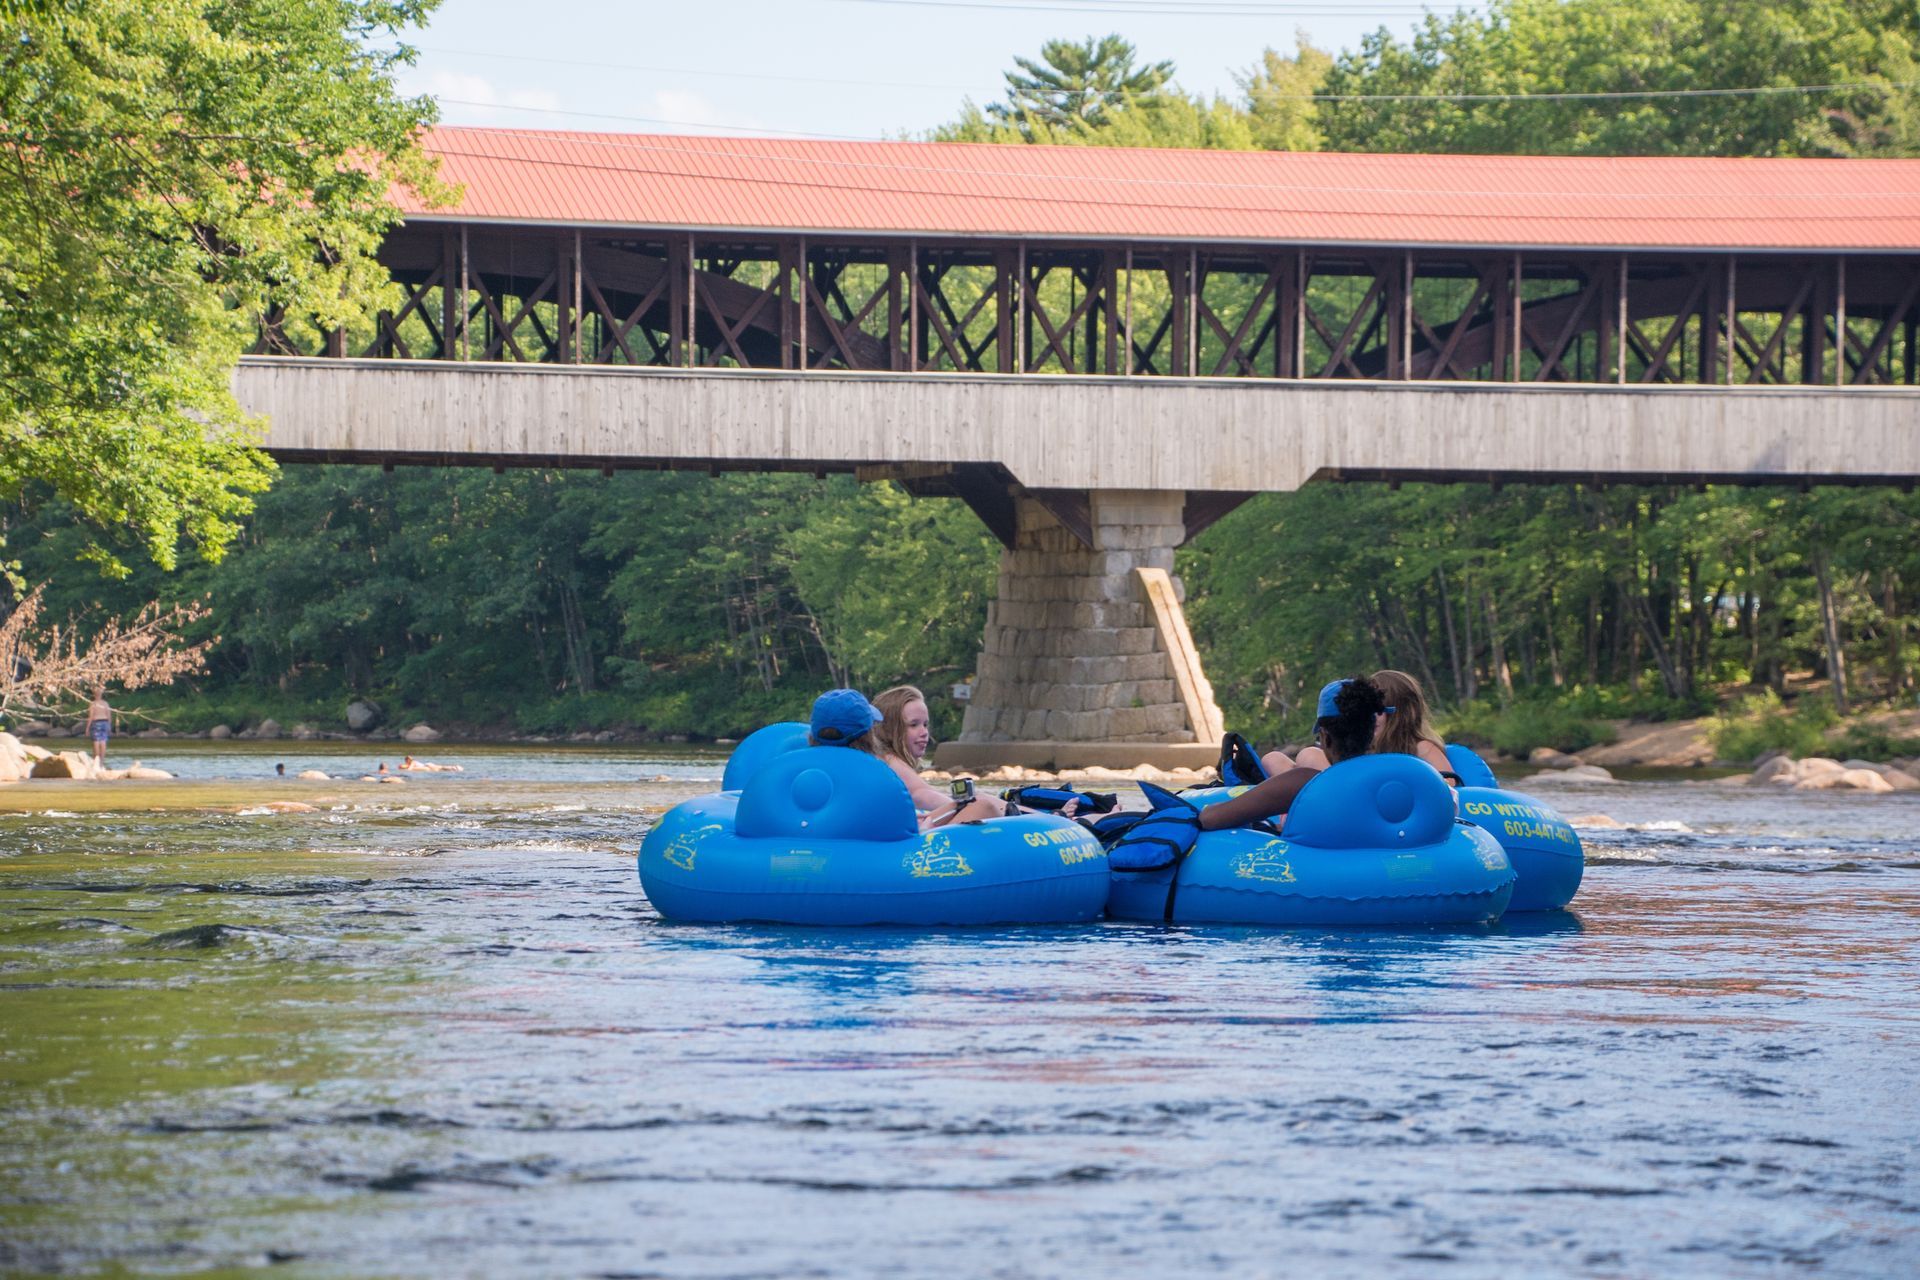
268	729
1844	780
304	733
363	715
1900	780
1778	768
422	733
68	764
34	729
1813	766
15	763
219	731
1549	758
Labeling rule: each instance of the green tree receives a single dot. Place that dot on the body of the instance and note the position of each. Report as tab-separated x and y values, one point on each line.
173	170
1536	48
1279	91
1076	84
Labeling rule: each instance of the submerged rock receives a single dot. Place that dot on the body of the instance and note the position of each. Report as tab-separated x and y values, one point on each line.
1572	773
1596	821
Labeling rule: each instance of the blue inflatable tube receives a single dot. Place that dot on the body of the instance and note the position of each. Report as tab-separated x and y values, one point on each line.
828	836
1544	849
1371	841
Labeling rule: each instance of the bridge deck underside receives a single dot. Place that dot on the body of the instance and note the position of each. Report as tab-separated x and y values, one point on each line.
685	300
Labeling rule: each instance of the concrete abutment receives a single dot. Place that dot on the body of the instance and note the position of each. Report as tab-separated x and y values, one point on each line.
1086	657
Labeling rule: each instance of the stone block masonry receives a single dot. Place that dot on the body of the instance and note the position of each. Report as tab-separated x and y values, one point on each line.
1087	644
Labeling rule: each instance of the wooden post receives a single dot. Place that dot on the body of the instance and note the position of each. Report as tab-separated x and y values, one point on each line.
1840	323
1191	316
1179	284
793	270
1127	368
1299	308
896	346
1620	377
691	295
914	323
1732	312
1403	347
1005	264
1516	341
466	267
449	300
1021	318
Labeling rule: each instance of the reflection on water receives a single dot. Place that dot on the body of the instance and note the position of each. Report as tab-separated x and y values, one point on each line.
439	1027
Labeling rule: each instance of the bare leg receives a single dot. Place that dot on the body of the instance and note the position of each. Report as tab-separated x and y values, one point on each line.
1311	758
1277	762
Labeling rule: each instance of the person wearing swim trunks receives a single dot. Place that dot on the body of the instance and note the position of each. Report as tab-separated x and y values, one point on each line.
99	724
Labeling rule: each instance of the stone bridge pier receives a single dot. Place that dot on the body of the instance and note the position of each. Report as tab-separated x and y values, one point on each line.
1087	659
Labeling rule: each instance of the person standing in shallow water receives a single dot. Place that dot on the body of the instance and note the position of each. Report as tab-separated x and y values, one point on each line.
99	724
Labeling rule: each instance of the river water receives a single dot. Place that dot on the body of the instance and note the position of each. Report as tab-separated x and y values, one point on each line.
435	1028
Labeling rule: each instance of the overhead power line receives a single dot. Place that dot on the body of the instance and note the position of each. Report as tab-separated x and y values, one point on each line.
752	130
1597	95
1600	96
705	71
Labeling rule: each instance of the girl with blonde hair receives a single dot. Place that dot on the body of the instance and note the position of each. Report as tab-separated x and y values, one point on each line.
900	741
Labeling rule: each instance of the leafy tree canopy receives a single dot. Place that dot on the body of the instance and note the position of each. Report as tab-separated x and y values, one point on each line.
174	169
1544	47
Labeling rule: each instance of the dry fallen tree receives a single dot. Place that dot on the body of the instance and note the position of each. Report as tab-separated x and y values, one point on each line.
49	670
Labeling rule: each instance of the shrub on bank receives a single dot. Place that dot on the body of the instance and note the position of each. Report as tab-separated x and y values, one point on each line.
1518	729
1760	722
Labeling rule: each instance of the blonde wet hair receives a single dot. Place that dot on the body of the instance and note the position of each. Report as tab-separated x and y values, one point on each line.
889	737
1409	725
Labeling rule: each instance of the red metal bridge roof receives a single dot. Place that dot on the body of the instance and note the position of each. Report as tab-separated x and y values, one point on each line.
767	185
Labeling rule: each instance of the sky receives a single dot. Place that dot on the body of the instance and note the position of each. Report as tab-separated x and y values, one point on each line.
829	68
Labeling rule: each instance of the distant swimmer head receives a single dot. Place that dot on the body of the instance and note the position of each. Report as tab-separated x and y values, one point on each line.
1347	716
840	716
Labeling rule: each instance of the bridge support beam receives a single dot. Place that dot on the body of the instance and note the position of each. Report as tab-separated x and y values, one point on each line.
1086	658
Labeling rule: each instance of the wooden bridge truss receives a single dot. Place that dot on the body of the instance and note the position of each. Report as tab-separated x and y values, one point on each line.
687	300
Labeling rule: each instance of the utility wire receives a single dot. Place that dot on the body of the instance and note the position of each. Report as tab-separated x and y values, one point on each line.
691	71
1598	95
752	130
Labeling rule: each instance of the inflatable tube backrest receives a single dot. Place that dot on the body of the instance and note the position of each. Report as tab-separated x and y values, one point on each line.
826	793
1472	769
759	747
1386	801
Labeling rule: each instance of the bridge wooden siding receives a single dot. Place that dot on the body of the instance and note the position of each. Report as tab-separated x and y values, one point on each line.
474	291
1074	432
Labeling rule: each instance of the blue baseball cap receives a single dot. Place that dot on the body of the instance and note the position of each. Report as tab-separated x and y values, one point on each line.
840	716
1327	705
